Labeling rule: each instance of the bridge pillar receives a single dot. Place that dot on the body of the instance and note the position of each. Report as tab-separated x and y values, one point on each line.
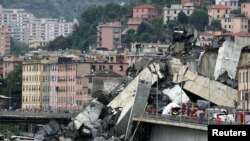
31	128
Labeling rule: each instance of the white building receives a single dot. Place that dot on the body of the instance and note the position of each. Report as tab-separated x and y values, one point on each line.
17	20
172	12
25	27
233	4
204	39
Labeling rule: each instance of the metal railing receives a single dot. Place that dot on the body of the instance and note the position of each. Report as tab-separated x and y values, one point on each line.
181	118
36	114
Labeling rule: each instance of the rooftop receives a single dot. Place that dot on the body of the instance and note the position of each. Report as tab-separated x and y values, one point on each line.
145	6
218	6
242	34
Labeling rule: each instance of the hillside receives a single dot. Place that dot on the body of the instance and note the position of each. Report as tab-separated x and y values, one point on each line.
55	8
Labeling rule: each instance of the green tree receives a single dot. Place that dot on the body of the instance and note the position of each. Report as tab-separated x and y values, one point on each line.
59	43
216	24
236	11
17	47
182	18
12	84
199	18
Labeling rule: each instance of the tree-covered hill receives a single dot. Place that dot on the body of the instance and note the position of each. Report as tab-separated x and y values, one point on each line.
55	8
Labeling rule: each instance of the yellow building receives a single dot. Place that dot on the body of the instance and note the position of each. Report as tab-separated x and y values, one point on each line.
4	41
37	43
32	85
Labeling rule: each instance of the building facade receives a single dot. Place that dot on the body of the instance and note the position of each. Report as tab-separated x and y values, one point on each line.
53	85
145	11
234	24
25	27
242	38
217	12
109	35
243	86
245	9
205	39
172	12
233	4
4	41
32	85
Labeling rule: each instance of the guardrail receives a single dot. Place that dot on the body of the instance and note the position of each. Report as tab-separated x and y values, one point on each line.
183	119
36	114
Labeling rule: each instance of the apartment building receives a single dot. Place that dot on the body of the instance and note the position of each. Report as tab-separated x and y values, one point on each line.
216	12
109	35
145	11
32	85
245	9
4	41
233	4
25	27
234	24
172	12
53	85
49	29
66	87
17	20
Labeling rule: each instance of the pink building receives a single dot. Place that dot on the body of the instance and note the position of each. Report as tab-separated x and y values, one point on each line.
66	85
109	35
245	9
10	63
217	12
49	93
235	24
145	11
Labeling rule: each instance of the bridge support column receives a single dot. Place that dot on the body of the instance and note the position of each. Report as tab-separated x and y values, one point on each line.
31	128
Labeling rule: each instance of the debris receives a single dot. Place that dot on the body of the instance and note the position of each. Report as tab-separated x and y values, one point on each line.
228	59
176	94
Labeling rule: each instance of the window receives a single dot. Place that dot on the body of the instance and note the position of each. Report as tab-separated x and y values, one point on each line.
246	76
218	16
218	11
225	26
174	11
90	79
110	67
93	68
121	67
243	77
100	67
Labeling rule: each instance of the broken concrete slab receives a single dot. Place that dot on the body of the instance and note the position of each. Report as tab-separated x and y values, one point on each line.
211	90
228	59
126	98
176	94
89	115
